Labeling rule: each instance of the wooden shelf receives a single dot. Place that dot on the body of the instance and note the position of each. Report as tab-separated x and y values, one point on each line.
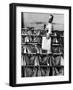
32	29
58	31
41	29
33	43
58	54
36	53
53	43
56	44
33	35
42	66
57	36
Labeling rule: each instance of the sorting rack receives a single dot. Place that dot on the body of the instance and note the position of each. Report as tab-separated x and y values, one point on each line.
41	54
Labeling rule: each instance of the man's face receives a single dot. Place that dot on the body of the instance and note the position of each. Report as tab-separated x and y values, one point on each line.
50	17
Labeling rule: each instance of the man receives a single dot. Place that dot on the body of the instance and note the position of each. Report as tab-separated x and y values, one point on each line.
46	41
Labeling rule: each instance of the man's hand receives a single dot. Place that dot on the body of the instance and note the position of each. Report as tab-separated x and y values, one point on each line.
47	36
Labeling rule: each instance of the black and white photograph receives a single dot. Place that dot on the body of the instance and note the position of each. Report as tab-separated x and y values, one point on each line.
42	44
40	40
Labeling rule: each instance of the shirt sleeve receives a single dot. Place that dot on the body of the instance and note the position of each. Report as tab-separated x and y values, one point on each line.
49	28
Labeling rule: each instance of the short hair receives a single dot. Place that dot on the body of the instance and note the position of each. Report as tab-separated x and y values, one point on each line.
51	19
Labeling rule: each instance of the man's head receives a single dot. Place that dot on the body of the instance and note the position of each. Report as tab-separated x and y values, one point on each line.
50	18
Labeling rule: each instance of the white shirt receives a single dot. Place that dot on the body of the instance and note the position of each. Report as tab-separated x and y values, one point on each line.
49	27
46	43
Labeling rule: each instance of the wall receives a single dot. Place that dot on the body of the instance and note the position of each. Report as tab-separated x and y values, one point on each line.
4	45
30	19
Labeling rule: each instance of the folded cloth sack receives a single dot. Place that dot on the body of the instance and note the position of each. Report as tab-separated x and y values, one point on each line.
37	47
62	49
23	61
62	60
29	32
26	59
47	72
36	32
28	72
22	71
55	49
34	72
31	49
58	71
61	40
25	32
55	40
37	39
56	60
36	61
31	61
44	71
39	73
61	72
45	60
27	39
